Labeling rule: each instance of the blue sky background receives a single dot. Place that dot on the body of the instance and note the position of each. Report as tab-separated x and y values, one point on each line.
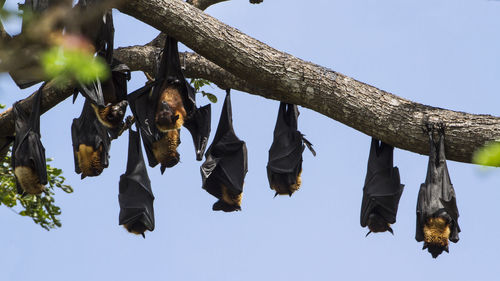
441	53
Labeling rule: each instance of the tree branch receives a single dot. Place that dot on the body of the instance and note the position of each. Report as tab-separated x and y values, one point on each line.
387	117
203	4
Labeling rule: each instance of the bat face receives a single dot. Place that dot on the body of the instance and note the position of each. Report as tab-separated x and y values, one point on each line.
135	194
283	186
165	150
285	155
382	189
170	113
91	143
28	153
112	115
225	167
437	212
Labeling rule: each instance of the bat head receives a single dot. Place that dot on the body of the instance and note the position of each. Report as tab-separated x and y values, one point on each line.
436	234
165	116
169	162
376	223
435	249
117	112
221	205
136	228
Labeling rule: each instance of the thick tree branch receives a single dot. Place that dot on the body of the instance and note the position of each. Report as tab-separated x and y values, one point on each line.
52	95
363	107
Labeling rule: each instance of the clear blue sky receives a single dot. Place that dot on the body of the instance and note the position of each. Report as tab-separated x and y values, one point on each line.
442	53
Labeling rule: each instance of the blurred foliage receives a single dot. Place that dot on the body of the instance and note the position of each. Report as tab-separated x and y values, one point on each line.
2	106
73	63
40	208
198	83
488	155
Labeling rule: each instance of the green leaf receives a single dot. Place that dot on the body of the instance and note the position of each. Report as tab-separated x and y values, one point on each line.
211	97
488	155
68	64
40	208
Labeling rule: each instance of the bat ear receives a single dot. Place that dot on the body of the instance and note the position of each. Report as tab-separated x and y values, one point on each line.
143	235
276	194
425	246
162	168
368	233
390	230
447	249
83	176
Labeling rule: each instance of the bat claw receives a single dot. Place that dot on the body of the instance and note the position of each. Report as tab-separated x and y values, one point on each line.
276	194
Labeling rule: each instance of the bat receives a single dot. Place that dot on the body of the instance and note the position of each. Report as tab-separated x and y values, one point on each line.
223	172
91	143
114	92
135	194
108	97
382	189
162	107
437	212
28	153
284	166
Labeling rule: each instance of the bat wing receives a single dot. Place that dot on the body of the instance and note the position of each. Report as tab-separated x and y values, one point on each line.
28	150
135	193
199	127
383	188
226	158
87	130
143	110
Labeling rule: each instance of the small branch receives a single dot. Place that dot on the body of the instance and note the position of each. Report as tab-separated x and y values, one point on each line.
204	4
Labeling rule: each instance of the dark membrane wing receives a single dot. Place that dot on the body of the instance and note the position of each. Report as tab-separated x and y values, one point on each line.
199	127
383	189
226	165
285	155
87	130
27	150
437	201
143	110
135	193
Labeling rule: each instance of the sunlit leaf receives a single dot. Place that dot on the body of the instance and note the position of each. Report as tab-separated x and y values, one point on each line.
488	155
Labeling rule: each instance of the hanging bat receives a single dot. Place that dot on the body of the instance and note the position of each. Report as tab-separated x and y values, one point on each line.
285	155
136	197
114	92
28	153
437	212
223	172
163	106
108	97
91	143
382	189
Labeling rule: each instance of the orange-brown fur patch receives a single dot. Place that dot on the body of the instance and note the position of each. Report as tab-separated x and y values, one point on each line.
165	149
437	231
172	96
229	198
28	180
135	228
101	114
288	190
89	160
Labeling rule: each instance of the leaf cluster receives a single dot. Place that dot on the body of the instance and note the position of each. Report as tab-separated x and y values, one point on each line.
41	208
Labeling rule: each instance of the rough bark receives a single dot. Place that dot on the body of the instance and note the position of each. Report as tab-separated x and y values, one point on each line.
387	117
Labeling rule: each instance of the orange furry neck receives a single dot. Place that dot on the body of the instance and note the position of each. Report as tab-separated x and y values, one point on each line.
89	160
28	180
437	231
